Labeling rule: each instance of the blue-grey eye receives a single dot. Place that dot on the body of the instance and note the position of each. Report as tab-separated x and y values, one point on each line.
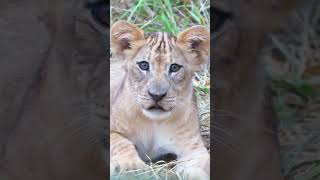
175	67
143	65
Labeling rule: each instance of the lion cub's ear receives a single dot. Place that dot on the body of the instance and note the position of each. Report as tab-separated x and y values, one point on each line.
196	42
123	36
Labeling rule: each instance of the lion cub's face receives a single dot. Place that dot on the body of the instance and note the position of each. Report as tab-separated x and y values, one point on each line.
160	67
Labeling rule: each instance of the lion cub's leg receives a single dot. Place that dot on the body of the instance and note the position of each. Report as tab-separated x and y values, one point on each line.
193	159
123	155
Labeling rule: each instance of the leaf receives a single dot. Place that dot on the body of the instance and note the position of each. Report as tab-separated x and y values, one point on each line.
307	91
172	15
302	89
200	89
167	23
194	16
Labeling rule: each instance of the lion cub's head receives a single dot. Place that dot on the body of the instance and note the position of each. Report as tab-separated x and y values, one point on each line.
160	67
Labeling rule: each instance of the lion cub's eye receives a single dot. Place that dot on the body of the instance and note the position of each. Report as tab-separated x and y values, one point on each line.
175	67
143	65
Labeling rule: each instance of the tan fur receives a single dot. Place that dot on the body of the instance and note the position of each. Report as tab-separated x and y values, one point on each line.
137	135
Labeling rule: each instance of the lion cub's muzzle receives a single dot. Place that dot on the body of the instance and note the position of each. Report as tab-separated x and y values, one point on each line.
157	91
157	97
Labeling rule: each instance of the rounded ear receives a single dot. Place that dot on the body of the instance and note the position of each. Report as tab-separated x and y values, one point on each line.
123	34
196	42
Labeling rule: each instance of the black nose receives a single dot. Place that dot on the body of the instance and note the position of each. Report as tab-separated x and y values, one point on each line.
157	97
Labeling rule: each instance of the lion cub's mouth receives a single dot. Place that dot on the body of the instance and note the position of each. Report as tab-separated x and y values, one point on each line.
156	108
156	112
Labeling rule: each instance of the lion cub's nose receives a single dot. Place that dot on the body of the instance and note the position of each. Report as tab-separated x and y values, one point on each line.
157	96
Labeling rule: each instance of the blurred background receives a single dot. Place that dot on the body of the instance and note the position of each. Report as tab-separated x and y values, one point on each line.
292	57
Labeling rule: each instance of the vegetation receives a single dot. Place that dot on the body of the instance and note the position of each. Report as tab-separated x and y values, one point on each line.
293	61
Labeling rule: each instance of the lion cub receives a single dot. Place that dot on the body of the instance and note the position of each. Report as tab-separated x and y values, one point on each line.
153	108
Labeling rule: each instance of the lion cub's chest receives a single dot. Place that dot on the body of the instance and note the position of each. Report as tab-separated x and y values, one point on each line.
153	140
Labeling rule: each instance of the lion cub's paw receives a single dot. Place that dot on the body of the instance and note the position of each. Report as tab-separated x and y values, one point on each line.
193	173
126	165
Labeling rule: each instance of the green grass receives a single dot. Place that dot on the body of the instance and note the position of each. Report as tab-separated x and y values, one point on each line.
170	16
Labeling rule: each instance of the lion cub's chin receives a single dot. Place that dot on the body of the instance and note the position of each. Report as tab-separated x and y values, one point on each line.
156	115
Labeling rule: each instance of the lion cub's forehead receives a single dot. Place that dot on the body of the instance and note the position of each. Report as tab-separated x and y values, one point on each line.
160	46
